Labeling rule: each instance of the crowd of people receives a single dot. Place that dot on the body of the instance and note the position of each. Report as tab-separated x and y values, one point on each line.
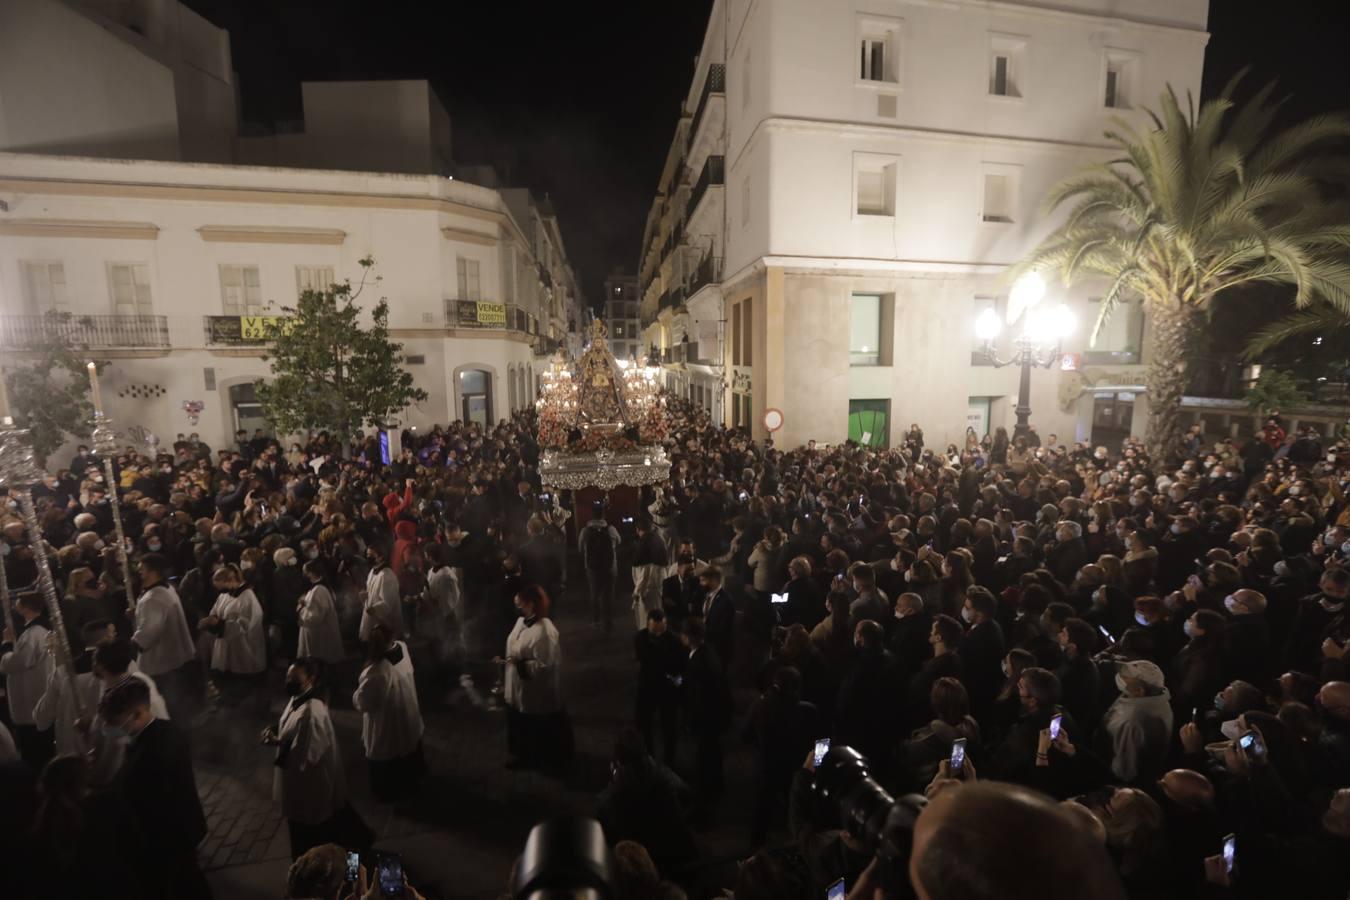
1110	675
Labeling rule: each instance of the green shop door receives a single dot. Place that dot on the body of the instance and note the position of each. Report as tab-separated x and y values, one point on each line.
869	422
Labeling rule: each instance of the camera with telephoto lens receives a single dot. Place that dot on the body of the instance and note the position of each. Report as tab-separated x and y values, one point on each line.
564	858
847	797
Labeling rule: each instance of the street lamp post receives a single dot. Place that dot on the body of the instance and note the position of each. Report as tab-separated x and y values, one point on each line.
1036	346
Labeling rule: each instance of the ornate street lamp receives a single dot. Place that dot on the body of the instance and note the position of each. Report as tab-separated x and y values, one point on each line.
1037	345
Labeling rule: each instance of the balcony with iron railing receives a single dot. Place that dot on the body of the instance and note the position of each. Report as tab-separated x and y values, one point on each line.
714	83
709	271
713	174
75	330
673	297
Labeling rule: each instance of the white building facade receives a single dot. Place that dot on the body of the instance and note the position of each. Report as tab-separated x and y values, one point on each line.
167	267
124	204
621	316
851	182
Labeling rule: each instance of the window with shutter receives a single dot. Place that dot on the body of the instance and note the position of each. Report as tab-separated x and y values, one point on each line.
240	290
466	272
313	278
997	198
45	283
130	285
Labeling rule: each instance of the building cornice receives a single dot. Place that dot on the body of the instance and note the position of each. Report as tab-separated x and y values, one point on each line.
1059	13
857	265
268	234
77	228
222	194
804	124
469	237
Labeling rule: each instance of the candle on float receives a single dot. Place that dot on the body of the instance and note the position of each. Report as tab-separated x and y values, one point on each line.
93	387
4	396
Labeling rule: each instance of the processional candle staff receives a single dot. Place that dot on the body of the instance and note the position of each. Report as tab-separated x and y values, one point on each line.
19	471
104	439
6	611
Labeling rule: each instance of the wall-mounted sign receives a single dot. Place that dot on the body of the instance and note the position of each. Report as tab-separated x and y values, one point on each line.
773	420
241	329
476	314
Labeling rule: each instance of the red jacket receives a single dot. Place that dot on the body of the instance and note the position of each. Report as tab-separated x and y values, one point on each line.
393	507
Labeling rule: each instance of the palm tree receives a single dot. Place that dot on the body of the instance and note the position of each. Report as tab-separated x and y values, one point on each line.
1195	205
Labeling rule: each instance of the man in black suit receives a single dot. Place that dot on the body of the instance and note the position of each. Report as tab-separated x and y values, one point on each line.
660	664
981	650
909	635
707	709
944	637
681	595
541	559
719	614
157	783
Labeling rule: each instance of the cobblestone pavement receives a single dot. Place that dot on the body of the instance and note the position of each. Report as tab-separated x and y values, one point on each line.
461	834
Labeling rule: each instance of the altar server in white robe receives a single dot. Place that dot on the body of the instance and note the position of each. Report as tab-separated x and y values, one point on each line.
320	634
308	780
391	718
538	731
112	665
382	605
27	666
62	708
239	654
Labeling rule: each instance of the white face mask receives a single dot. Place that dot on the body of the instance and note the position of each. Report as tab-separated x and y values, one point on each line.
967	614
1176	528
1139	618
1120	683
1295	491
1230	603
1231	729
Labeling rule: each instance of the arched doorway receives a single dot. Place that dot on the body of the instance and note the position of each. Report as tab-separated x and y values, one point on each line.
512	394
475	391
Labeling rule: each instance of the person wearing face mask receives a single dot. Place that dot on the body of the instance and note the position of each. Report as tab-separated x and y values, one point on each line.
1178	550
308	780
981	649
1319	617
382	605
538	732
1136	730
158	783
111	665
60	708
239	652
161	632
908	639
320	637
1150	616
1248	636
1200	670
27	667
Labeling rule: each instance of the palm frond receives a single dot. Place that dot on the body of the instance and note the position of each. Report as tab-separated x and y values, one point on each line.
1314	322
1111	300
1297	141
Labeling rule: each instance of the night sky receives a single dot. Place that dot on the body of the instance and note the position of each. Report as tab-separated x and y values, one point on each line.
579	100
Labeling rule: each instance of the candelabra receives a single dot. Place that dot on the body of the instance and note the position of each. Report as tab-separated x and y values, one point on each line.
1038	344
19	471
104	440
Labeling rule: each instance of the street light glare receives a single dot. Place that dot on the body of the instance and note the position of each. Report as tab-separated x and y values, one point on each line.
987	325
1065	322
1026	292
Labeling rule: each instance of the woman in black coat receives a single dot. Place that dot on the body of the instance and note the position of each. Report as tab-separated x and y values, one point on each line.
1200	670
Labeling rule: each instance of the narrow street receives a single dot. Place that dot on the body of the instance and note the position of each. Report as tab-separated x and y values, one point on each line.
462	834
